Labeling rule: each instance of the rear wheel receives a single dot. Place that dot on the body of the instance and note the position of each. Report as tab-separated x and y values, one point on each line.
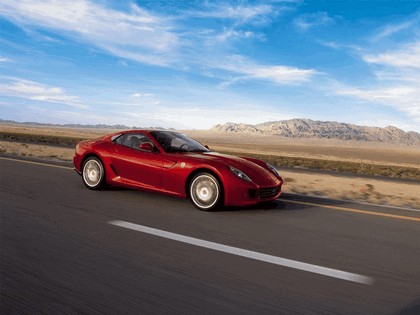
93	173
205	192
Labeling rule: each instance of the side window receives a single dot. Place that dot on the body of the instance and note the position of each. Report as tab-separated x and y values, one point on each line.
132	140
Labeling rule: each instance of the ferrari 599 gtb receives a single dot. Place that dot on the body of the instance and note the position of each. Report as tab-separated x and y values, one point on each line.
172	163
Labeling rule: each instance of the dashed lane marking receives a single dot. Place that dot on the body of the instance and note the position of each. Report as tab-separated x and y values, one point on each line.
294	264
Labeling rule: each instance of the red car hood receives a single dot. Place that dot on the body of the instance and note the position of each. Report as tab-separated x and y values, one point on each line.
256	173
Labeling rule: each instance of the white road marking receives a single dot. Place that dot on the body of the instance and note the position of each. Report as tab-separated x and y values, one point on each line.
334	273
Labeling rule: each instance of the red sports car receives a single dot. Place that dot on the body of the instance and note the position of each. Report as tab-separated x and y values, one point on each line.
172	163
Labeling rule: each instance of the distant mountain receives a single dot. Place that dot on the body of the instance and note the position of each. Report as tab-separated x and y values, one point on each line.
307	128
98	126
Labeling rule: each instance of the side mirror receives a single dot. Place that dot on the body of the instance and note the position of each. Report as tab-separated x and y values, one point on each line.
207	147
146	146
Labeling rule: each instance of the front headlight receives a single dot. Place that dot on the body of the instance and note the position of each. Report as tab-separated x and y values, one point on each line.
240	174
273	169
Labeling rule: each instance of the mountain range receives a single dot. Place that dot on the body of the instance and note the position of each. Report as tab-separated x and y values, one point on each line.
307	128
293	128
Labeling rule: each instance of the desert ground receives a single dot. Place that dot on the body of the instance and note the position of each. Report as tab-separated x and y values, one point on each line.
330	185
326	149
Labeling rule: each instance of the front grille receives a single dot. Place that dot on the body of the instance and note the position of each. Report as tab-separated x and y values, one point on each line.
268	192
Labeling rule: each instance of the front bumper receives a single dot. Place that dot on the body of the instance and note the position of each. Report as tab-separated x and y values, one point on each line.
247	195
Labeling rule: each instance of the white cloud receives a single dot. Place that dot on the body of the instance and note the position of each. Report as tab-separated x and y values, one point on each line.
142	99
139	95
229	34
242	13
39	92
4	59
307	21
251	70
407	57
405	98
147	38
158	59
397	75
136	35
405	94
392	29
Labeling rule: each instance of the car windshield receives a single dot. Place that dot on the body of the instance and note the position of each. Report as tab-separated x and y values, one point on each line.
176	142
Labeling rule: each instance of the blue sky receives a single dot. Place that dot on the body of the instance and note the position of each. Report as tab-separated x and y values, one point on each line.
194	64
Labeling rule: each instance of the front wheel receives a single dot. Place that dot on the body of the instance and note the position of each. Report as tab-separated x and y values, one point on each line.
205	192
93	173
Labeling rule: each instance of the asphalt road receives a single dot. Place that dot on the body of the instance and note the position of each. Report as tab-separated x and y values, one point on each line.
62	251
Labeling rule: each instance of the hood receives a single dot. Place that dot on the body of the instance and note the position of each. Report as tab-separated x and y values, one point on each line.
256	173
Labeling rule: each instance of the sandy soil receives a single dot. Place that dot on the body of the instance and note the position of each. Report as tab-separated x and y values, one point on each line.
37	151
338	187
375	191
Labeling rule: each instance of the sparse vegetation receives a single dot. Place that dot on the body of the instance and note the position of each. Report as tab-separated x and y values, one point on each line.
39	138
289	180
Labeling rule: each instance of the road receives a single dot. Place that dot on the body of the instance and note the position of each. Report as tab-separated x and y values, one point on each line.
66	249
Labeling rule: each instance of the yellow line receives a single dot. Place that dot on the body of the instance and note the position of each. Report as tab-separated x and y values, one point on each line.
36	163
379	214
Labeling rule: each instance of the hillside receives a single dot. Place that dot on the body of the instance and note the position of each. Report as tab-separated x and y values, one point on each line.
307	128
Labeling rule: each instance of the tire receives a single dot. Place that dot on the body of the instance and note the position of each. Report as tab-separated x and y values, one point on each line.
205	192
93	173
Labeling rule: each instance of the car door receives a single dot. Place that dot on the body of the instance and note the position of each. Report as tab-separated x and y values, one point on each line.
135	166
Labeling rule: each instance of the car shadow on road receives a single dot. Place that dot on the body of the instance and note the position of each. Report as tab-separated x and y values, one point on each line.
288	202
275	205
264	206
